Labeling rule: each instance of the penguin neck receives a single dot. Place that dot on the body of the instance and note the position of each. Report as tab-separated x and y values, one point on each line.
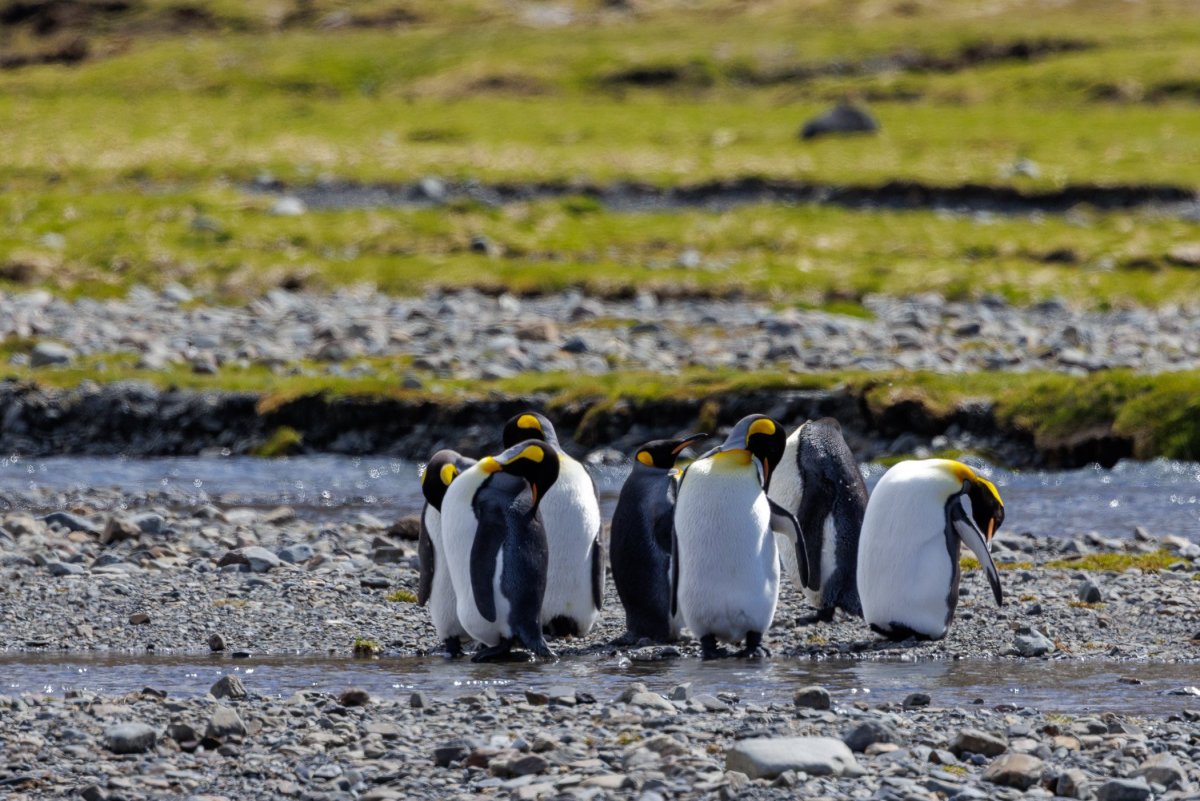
738	457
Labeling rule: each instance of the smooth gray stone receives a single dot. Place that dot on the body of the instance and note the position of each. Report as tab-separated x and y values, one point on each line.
766	758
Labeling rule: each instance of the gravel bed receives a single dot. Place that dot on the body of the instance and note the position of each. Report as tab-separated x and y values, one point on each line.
469	335
268	581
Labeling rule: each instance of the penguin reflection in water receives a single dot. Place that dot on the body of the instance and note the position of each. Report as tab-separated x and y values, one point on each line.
640	543
435	587
725	566
571	511
908	567
496	547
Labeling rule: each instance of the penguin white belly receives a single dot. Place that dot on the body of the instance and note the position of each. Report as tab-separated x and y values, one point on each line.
729	564
787	490
459	527
904	570
443	604
571	516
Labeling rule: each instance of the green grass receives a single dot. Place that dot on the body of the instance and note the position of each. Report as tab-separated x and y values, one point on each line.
1118	562
229	247
402	596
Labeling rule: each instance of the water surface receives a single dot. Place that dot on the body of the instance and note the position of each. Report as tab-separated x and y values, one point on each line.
1163	496
1052	686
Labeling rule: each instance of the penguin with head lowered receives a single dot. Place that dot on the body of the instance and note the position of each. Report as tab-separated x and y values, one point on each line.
496	548
571	512
908	564
724	561
819	481
640	543
435	586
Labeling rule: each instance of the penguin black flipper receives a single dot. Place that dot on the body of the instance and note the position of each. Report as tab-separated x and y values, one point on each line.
425	555
785	523
523	580
970	535
492	505
674	572
597	573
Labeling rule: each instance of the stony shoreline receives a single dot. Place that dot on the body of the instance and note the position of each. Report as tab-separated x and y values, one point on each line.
269	581
274	582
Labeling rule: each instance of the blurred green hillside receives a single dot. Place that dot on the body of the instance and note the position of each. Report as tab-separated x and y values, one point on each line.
130	130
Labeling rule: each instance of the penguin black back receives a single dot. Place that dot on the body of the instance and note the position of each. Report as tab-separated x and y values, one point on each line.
640	547
833	490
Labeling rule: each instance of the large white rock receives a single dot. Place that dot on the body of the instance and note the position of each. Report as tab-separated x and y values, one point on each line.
766	758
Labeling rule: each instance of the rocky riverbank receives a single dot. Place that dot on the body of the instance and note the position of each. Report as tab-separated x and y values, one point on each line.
273	582
570	744
254	582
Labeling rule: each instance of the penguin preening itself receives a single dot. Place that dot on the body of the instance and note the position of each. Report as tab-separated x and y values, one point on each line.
435	586
724	561
496	547
819	481
908	564
571	513
639	546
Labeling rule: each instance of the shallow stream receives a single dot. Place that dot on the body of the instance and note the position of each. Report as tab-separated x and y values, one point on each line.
1163	496
1050	686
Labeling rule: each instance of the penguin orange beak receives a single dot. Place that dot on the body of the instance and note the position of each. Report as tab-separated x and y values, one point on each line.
533	491
991	528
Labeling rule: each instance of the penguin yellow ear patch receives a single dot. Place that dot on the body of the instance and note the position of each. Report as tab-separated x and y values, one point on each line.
448	473
991	488
489	465
761	426
645	458
533	453
528	421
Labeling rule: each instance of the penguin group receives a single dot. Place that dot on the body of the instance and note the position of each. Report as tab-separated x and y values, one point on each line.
511	552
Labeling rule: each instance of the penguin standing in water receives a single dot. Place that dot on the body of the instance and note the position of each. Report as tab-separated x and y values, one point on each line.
435	586
496	547
819	481
908	569
724	562
571	512
640	543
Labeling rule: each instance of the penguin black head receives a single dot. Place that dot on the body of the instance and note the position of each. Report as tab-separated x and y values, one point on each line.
444	466
764	438
987	508
529	425
662	453
532	460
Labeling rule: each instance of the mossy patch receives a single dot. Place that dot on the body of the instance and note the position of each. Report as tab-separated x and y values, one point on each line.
970	563
366	647
1153	562
402	597
283	441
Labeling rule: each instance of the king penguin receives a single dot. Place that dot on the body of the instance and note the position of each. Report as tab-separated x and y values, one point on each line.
908	568
640	542
571	511
435	587
819	481
496	547
724	562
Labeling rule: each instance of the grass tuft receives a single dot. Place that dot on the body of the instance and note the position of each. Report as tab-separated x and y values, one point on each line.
1153	562
402	596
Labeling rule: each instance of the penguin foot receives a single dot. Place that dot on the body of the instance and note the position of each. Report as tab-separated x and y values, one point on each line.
820	616
454	648
495	653
754	648
625	640
710	650
898	632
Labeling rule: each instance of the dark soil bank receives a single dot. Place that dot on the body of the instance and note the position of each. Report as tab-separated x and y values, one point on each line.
139	420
